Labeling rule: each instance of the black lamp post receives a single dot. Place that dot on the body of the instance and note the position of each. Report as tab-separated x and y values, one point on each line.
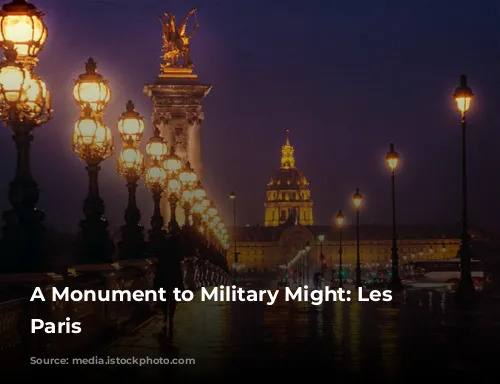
155	179
25	104
131	166
466	295
93	143
232	196
173	167
392	159
357	199
340	223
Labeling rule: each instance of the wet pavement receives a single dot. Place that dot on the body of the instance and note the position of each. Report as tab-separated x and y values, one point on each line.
413	338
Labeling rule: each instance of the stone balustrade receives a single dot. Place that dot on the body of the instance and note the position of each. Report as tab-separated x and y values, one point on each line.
101	321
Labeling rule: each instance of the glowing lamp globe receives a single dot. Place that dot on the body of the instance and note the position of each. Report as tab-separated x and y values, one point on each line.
357	199
392	158
13	79
155	177
91	88
131	163
131	125
172	164
22	27
187	175
199	192
156	148
463	95
174	186
212	211
36	100
340	218
187	196
92	140
198	208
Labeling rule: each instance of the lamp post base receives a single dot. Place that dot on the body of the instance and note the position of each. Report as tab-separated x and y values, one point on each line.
94	245
132	246
395	285
23	248
466	295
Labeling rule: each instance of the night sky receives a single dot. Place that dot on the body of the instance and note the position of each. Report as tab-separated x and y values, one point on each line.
346	77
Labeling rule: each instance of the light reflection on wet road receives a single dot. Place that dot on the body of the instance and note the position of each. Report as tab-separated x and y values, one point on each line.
417	337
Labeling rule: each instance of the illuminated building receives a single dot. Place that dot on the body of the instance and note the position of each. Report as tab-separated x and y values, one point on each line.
288	192
289	228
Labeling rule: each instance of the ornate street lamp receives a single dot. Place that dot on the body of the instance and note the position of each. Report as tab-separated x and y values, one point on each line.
357	200
22	27
91	89
173	166
466	294
392	159
174	190
188	179
24	105
155	179
340	223
232	196
322	259
93	143
198	208
131	166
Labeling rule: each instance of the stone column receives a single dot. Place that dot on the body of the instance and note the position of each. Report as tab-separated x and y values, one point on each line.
177	111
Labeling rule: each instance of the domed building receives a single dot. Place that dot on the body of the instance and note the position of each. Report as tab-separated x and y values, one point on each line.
288	195
290	240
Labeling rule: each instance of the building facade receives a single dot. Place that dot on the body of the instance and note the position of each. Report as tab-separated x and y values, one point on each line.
289	235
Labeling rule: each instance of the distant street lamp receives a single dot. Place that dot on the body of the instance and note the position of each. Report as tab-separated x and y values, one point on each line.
357	199
173	166
25	105
131	166
322	260
466	294
340	223
392	159
155	179
93	143
188	179
232	196
443	250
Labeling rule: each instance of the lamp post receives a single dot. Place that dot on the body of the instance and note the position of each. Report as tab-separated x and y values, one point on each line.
199	196
25	105
443	251
392	159
93	143
321	238
155	180
188	179
173	166
131	166
340	223
466	294
232	196
357	199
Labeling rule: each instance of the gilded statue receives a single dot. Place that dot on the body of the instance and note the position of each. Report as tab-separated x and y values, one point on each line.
176	49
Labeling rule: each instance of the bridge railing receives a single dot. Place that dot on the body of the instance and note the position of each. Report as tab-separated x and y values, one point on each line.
99	320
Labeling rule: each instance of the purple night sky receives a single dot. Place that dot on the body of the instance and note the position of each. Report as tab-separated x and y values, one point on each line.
346	77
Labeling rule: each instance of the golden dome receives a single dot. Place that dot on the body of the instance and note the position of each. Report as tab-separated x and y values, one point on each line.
288	193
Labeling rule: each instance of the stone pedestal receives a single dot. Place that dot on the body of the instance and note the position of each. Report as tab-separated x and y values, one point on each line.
177	112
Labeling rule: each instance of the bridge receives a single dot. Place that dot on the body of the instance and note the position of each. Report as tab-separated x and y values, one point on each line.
103	321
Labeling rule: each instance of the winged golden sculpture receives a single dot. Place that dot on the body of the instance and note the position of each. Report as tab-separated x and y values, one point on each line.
176	49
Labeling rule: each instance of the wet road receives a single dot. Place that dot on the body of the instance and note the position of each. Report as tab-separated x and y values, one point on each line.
414	338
